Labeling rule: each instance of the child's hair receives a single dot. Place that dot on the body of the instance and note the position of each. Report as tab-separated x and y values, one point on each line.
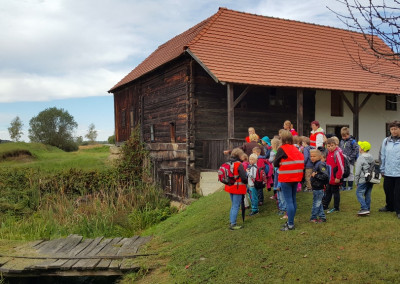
244	157
306	140
323	153
251	128
287	137
332	140
237	153
253	157
296	140
257	150
253	137
287	123
344	131
316	152
280	132
336	139
275	144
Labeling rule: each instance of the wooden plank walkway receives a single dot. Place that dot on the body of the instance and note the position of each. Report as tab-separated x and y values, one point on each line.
73	256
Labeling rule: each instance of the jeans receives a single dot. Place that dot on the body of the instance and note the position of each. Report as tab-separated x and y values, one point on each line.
281	200
236	201
363	193
260	193
391	185
331	190
289	190
317	208
253	198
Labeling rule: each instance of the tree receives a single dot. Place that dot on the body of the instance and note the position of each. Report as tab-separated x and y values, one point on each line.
15	129
54	127
375	19
91	134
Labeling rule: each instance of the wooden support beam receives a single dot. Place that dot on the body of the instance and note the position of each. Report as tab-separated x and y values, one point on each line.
242	95
364	101
356	115
231	113
347	103
300	93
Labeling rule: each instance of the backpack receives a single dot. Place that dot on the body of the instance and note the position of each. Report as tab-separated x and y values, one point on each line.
346	170
261	178
374	174
225	173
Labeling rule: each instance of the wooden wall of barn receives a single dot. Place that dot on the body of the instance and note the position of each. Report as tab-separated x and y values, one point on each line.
264	108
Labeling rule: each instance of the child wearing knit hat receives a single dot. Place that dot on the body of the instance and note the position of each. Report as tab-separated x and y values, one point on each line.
364	188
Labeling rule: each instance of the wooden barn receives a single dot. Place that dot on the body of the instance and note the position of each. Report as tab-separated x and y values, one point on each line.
198	93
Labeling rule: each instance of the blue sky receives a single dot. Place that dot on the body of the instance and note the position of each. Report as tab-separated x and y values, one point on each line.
69	53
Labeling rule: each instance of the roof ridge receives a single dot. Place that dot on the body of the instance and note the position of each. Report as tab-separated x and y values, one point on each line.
212	19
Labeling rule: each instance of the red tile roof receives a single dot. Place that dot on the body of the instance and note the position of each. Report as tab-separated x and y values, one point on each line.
245	48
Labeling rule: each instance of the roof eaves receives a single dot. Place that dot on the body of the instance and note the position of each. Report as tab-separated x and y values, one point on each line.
202	65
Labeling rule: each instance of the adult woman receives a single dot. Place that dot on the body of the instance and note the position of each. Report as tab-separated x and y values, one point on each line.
317	135
287	125
291	165
390	168
238	189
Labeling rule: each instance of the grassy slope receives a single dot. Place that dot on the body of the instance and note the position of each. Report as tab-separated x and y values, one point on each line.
196	245
49	157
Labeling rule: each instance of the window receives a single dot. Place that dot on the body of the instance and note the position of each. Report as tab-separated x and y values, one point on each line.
336	103
123	118
172	131
391	102
152	133
335	129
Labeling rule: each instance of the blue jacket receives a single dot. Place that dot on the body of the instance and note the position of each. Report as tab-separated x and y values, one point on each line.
307	162
390	157
350	149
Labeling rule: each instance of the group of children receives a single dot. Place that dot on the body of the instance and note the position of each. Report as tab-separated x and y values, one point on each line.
323	174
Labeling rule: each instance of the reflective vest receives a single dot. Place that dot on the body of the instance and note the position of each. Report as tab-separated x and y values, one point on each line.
239	187
313	139
291	169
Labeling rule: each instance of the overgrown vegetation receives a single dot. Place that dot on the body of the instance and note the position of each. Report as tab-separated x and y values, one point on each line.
57	194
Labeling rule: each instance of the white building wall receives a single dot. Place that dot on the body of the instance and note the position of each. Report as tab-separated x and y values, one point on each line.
372	118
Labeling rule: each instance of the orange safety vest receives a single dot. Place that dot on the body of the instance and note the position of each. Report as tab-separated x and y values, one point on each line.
291	169
313	138
239	187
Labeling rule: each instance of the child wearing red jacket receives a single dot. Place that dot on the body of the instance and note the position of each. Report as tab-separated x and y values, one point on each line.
334	159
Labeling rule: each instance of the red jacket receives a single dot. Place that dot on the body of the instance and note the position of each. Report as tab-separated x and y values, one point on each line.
291	169
336	160
239	187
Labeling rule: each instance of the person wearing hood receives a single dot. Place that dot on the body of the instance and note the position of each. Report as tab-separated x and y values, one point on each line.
317	136
364	188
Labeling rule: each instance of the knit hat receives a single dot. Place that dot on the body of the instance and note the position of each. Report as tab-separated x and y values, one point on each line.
364	145
266	140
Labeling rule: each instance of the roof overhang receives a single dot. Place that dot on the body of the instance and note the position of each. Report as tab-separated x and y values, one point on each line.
202	64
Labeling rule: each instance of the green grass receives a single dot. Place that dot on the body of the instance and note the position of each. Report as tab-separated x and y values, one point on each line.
49	158
197	246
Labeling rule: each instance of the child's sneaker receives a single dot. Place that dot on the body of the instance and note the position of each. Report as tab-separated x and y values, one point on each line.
321	220
284	216
235	227
332	210
314	221
287	227
363	212
252	213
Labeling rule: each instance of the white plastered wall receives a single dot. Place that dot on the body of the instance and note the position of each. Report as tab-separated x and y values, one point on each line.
372	118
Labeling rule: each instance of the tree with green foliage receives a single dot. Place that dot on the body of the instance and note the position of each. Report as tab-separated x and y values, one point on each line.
91	134
15	129
55	127
111	139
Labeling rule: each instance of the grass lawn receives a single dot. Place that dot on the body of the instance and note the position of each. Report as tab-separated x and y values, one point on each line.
197	246
49	158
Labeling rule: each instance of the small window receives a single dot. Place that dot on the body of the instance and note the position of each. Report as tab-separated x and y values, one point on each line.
152	133
391	102
123	118
172	132
336	103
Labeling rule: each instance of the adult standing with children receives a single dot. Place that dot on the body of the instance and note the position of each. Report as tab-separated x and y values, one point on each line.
390	168
290	162
317	136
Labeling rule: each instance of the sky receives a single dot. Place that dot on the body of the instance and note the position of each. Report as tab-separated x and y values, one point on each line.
69	53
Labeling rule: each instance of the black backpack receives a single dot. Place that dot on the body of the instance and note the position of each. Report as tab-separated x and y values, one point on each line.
374	173
346	171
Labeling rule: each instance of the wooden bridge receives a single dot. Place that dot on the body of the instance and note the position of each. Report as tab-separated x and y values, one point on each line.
74	256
